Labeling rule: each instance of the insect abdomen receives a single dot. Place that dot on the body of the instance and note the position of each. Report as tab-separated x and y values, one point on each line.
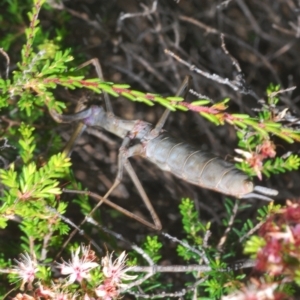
197	167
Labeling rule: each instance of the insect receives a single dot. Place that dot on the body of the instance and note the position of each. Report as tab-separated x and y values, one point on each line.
151	142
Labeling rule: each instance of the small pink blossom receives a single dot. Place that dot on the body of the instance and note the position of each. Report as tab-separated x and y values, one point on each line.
253	159
26	270
78	268
267	149
87	297
281	233
55	292
43	291
296	234
270	257
116	271
107	291
292	213
23	297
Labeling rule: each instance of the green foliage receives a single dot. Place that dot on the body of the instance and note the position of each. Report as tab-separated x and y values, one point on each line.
12	20
190	221
30	189
272	90
246	227
152	247
281	165
256	150
82	200
217	281
27	143
253	245
33	182
219	284
192	227
222	279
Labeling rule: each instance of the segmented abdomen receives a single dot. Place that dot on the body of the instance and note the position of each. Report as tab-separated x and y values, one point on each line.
197	167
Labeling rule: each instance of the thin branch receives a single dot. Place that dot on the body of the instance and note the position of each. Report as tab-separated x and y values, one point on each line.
7	62
187	246
251	232
236	85
145	13
229	226
211	30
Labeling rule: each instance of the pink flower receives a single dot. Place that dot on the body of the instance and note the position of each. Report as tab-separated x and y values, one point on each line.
107	290
55	292
281	233
292	213
87	297
296	234
267	149
78	268
45	292
23	297
253	159
26	270
269	258
116	271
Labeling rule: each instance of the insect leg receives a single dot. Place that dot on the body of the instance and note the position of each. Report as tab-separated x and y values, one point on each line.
137	149
161	122
123	161
119	176
264	193
80	128
102	199
112	205
96	64
124	154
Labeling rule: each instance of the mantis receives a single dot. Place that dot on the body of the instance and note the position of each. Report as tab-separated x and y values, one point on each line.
151	142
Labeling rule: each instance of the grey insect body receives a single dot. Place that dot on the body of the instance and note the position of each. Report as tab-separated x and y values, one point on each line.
200	168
